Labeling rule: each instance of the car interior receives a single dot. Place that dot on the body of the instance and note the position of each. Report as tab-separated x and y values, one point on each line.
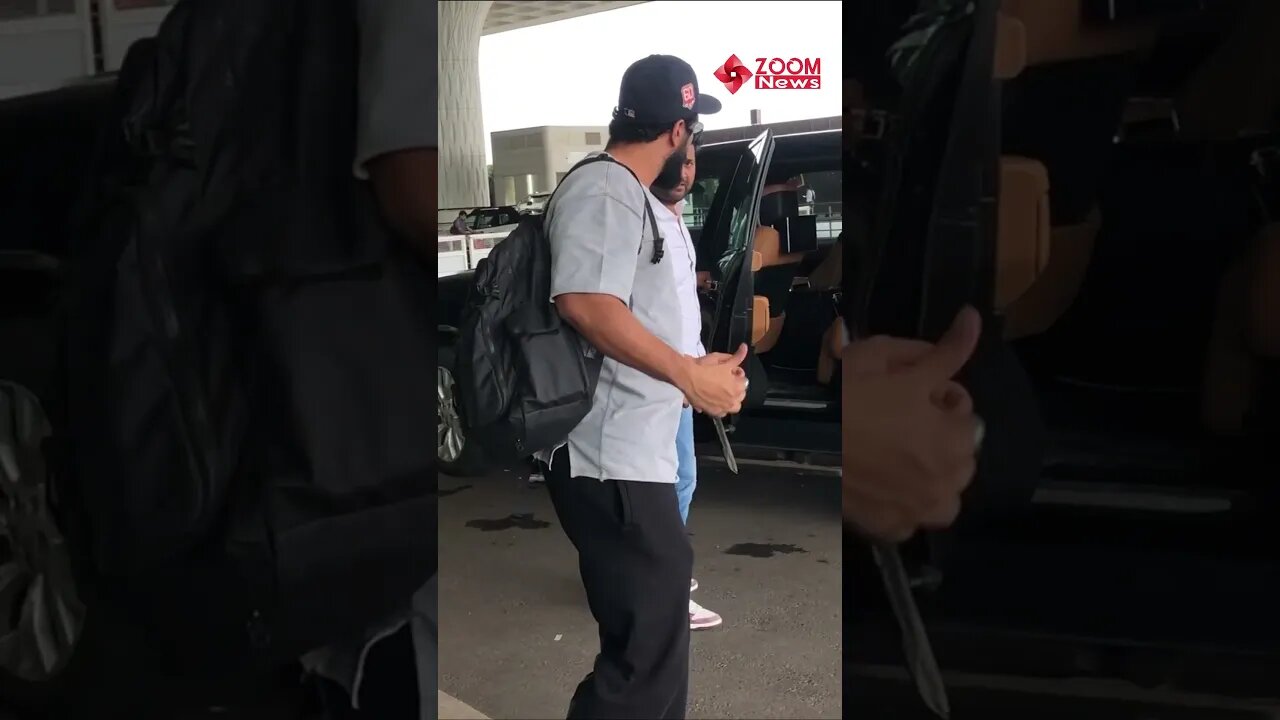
1145	190
1130	286
790	314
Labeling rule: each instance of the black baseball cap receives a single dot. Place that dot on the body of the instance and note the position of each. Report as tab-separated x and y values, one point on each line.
661	89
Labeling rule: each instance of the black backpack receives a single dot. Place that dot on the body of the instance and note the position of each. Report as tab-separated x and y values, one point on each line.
525	377
247	475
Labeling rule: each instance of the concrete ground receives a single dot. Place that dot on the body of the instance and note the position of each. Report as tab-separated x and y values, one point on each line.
451	708
516	635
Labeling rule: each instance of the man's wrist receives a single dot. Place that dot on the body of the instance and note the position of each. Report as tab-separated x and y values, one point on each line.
682	373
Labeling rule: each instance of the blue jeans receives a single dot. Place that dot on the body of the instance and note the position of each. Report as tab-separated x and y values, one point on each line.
686	464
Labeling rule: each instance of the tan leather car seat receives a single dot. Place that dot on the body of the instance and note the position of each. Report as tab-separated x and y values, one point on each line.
1264	300
1022	231
1237	89
1033	33
768	244
1069	249
1056	31
1230	367
1246	328
1022	234
1011	47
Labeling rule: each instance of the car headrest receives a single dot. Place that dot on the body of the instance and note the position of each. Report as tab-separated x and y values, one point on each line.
1011	47
776	206
768	246
1022	242
1056	31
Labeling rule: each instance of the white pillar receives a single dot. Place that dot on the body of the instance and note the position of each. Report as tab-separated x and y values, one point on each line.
546	181
461	174
505	189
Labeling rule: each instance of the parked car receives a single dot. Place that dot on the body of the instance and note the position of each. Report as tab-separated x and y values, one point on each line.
493	219
535	204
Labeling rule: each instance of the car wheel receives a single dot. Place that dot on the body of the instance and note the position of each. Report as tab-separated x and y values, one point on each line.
457	457
42	618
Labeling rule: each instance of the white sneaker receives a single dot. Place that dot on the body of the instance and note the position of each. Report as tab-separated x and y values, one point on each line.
693	584
701	618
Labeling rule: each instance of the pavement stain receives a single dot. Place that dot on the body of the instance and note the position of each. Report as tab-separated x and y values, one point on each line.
764	550
446	492
521	521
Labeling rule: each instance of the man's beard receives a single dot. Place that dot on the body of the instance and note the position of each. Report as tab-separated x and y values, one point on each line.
665	186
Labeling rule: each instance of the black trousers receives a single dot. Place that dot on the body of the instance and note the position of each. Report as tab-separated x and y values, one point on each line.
636	562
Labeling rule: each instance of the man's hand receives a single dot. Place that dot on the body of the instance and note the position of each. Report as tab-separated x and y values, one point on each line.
719	358
704	279
716	383
909	432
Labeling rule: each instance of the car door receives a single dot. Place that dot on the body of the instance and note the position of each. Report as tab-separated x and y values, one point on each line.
960	254
733	302
932	249
937	238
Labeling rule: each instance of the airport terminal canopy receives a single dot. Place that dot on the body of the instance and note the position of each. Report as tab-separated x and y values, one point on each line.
463	182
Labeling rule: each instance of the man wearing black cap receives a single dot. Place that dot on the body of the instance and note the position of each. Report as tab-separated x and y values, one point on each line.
613	481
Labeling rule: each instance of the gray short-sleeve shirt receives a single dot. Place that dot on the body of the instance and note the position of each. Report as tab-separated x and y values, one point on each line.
397	95
602	243
397	111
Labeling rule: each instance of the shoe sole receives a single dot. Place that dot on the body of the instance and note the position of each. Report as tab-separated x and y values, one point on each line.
705	624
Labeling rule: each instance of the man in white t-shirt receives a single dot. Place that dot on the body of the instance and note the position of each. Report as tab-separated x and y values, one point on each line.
671	187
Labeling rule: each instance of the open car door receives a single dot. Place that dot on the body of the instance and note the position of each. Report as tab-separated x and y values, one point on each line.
930	252
737	315
931	249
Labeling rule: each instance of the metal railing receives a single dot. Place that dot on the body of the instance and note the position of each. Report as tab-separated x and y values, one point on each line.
460	253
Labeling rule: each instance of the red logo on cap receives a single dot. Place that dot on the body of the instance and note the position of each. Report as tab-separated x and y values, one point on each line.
687	96
733	74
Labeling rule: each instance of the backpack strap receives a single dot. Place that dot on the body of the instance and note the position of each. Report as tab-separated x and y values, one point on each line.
658	251
657	236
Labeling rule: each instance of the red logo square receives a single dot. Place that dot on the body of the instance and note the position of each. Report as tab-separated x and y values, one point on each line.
687	96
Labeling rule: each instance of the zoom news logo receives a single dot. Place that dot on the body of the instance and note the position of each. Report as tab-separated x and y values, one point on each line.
771	73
